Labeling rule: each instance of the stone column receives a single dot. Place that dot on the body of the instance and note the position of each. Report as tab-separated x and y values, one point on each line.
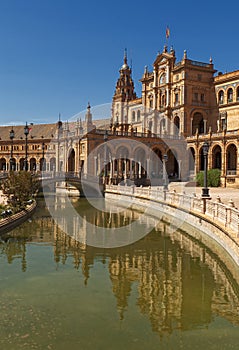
139	173
95	166
148	168
204	126
179	169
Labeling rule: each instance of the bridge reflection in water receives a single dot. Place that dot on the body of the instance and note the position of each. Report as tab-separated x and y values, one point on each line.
176	282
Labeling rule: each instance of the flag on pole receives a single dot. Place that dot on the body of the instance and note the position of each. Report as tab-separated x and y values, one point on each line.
167	32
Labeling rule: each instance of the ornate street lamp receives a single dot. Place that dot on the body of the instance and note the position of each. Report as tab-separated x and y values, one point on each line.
105	156
43	155
11	135
205	190
26	132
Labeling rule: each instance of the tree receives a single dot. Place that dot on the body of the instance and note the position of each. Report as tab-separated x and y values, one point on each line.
19	187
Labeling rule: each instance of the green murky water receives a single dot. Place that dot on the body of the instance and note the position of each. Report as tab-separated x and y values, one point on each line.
166	291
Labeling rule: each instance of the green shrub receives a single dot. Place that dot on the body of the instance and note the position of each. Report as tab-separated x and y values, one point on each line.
200	178
213	178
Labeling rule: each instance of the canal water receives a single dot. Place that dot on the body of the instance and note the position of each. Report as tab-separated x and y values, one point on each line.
165	291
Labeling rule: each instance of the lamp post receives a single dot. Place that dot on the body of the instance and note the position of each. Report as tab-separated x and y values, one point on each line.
205	190
26	132
105	156
11	135
43	156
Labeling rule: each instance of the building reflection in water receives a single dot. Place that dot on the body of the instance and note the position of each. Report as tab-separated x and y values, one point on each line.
180	283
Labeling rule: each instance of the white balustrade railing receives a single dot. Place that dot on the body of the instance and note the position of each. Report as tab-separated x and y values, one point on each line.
227	215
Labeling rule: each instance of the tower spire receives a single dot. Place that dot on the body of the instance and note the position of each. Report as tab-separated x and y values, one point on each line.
125	56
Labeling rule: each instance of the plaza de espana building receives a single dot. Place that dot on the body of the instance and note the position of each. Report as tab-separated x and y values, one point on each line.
181	101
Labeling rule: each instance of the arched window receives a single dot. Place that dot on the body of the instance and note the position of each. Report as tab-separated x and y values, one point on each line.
150	124
138	116
229	95
221	97
162	79
162	126
198	123
52	164
231	159
238	93
176	123
176	98
150	97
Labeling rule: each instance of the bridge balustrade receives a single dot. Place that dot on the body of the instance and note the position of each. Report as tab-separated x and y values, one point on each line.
227	215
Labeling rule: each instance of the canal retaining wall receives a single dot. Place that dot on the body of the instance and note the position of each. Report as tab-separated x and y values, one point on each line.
14	220
209	218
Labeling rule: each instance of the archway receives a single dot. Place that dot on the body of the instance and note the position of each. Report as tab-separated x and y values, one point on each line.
122	163
217	157
197	123
3	164
13	164
21	163
172	165
231	154
176	123
191	160
71	160
139	166
157	167
43	164
33	164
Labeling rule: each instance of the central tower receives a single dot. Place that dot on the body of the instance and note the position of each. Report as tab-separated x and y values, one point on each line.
124	92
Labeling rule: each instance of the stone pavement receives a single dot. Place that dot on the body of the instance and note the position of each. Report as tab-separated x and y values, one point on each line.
226	194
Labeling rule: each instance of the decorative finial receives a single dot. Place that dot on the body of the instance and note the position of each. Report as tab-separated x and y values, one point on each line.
145	69
185	54
165	49
88	106
210	60
172	50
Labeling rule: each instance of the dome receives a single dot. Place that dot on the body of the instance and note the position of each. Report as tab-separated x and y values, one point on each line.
125	66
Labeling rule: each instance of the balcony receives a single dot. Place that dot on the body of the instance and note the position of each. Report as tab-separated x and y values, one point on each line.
231	172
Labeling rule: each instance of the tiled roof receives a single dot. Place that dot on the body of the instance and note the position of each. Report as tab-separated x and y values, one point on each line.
36	131
46	131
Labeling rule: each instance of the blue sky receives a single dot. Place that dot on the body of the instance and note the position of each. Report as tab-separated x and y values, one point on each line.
55	56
